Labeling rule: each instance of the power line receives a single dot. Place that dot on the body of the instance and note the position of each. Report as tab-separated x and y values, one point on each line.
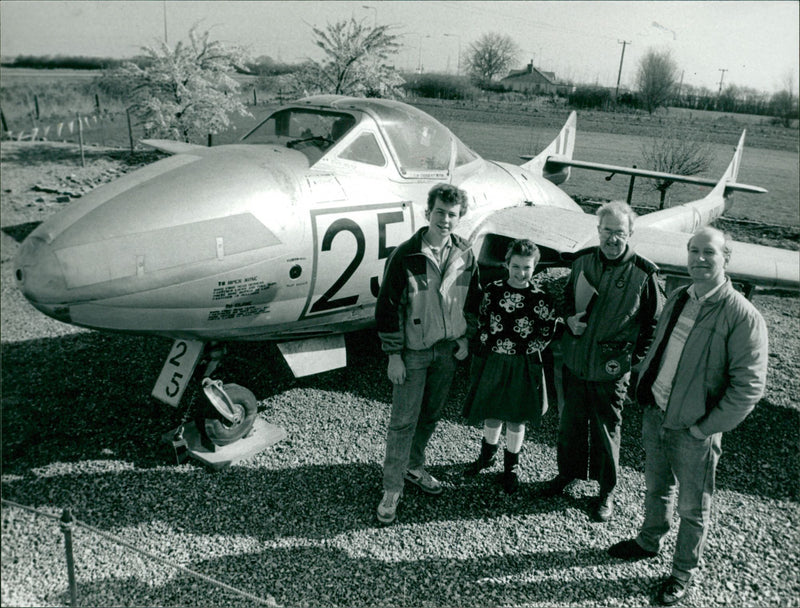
517	18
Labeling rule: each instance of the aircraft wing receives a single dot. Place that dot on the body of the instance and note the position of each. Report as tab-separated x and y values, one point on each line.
556	163
562	230
566	232
749	263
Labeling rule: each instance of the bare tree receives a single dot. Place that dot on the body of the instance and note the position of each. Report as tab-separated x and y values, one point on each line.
354	64
783	103
672	153
184	92
729	99
491	55
656	78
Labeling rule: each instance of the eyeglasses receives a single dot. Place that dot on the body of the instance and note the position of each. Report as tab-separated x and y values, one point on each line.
620	234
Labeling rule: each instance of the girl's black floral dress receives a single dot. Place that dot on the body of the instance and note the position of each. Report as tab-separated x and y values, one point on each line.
515	327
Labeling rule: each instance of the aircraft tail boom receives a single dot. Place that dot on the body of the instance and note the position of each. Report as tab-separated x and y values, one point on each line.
690	216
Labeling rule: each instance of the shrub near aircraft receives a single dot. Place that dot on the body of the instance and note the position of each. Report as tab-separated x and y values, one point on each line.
284	236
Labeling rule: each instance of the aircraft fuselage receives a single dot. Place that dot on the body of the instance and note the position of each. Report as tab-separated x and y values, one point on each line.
240	242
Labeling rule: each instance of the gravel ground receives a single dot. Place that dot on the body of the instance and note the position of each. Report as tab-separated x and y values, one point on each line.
295	524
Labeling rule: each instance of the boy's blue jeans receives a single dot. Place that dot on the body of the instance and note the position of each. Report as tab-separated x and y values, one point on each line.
417	406
675	458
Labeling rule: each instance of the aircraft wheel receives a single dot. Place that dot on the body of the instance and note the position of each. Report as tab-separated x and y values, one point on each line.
222	432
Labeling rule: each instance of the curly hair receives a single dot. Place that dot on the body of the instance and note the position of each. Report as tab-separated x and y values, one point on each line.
449	195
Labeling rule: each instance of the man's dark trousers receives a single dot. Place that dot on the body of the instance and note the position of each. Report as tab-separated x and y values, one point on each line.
590	429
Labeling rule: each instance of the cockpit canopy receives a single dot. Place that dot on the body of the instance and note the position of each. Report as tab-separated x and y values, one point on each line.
419	145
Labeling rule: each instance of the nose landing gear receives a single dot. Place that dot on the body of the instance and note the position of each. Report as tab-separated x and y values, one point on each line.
233	412
225	426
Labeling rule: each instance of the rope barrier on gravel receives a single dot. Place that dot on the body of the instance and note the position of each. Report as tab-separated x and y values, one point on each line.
66	519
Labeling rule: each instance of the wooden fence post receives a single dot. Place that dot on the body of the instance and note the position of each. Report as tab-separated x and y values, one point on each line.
130	129
66	528
3	119
80	139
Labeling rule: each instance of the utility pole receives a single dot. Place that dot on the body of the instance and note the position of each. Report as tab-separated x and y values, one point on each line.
166	41
719	92
419	56
624	43
720	80
458	65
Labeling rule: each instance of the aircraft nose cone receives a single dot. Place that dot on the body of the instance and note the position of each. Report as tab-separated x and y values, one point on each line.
40	278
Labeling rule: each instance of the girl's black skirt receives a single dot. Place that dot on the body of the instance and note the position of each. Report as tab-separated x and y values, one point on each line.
506	387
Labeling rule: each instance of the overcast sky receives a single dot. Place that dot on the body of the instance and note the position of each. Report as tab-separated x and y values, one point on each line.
757	44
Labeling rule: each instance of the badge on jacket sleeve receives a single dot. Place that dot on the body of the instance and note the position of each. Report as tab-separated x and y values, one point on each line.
613	367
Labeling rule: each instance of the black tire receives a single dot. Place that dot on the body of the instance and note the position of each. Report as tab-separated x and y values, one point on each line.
220	431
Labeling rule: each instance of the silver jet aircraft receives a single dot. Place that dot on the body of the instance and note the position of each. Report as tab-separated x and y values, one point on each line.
284	236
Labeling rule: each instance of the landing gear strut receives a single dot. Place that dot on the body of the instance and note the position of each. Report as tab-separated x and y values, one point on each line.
224	426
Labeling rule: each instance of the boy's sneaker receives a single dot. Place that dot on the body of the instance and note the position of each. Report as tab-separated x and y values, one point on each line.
672	591
424	481
387	508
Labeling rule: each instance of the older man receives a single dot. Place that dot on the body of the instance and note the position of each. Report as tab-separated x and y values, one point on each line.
703	375
612	301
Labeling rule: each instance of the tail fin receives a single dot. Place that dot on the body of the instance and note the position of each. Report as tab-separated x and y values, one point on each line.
721	196
690	216
562	146
733	169
732	172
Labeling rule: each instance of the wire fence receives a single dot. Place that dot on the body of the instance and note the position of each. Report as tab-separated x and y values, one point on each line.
113	129
68	525
104	126
120	129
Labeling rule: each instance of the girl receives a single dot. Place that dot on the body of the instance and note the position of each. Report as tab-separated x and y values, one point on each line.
517	322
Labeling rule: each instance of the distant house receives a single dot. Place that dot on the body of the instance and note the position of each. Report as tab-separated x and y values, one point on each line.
532	80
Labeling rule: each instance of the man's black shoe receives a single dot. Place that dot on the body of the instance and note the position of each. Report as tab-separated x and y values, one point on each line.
555	486
631	550
604	508
672	591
